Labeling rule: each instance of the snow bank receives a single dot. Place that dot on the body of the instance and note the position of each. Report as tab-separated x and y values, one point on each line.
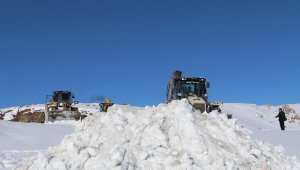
172	136
9	113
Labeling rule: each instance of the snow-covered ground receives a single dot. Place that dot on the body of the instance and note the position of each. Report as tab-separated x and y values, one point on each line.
172	136
20	140
262	124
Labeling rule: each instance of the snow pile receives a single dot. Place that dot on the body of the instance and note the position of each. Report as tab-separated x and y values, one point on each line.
172	136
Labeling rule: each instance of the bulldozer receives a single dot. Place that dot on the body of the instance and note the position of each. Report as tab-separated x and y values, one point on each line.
194	89
60	106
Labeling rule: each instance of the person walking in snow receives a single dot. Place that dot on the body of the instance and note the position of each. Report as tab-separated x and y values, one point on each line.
281	118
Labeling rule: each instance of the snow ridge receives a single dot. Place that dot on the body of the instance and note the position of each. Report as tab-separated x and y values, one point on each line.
169	136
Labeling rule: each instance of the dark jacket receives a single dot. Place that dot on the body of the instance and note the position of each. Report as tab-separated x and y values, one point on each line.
281	116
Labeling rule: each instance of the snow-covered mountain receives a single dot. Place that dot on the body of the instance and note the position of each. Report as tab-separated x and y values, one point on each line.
172	136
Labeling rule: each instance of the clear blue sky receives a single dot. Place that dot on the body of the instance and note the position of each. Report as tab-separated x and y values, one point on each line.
249	50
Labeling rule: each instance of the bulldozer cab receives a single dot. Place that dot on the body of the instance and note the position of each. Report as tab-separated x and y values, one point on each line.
62	96
184	87
60	99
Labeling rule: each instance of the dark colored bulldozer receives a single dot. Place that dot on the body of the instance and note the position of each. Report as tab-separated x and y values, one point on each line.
192	88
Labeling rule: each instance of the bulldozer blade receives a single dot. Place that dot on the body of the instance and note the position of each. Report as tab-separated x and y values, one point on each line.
64	115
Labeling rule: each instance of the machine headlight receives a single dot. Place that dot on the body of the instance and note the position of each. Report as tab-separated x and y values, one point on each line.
61	104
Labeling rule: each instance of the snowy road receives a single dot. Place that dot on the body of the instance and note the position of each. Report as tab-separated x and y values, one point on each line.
19	140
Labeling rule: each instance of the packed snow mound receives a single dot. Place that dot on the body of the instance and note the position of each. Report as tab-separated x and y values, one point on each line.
169	136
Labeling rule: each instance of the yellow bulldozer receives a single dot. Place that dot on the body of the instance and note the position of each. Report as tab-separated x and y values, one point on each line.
60	106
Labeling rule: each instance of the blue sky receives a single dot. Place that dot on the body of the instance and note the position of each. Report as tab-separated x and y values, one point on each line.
127	50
